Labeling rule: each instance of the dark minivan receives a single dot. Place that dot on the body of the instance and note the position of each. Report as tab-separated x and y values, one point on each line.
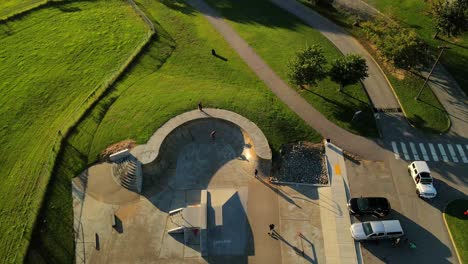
375	206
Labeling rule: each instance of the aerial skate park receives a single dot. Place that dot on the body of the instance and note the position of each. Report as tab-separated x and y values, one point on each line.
182	196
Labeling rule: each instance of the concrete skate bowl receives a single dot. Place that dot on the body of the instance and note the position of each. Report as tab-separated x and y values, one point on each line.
183	155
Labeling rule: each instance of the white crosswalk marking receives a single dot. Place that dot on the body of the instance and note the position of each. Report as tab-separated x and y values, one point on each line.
442	152
395	150
415	152
424	152
405	151
433	152
452	153
462	153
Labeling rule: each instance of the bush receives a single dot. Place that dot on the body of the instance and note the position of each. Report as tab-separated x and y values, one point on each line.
398	45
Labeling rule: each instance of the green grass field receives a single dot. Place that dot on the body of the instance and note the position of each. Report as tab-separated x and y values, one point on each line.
458	224
174	73
414	14
51	60
276	36
9	7
426	114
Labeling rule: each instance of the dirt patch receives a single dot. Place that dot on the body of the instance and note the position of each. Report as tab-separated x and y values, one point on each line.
302	162
126	144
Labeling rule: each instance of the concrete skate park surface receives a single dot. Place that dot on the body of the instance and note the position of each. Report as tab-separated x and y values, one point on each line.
179	161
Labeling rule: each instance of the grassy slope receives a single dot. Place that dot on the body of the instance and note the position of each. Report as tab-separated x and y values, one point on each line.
50	61
458	225
414	14
9	7
146	97
427	113
277	35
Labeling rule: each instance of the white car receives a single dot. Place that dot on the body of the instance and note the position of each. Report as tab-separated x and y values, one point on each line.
421	176
376	230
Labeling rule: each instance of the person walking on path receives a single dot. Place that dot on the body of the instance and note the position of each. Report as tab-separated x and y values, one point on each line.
213	134
200	107
256	173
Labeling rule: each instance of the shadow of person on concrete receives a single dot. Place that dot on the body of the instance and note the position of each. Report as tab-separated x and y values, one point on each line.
298	251
429	249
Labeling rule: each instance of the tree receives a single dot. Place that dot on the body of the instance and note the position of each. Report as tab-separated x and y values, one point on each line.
450	17
348	70
308	66
405	49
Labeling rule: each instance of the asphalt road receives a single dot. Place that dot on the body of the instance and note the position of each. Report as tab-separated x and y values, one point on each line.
421	219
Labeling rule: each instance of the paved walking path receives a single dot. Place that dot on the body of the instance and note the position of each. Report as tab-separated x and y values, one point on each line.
452	98
442	83
365	148
338	245
377	85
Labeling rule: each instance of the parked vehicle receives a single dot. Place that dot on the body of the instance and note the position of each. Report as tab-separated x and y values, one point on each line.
375	206
374	230
421	175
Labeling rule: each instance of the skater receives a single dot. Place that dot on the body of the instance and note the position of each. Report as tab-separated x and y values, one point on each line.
200	107
272	229
213	134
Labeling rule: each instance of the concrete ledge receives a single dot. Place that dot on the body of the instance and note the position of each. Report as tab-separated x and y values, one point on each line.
149	152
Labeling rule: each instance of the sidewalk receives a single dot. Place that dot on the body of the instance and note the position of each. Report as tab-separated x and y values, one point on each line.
376	84
444	86
338	244
361	146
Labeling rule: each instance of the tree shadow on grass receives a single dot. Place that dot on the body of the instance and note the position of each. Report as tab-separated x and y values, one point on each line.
179	6
262	13
457	208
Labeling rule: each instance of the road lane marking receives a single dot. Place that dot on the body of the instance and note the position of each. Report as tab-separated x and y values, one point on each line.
395	150
337	169
452	153
415	152
433	152
462	153
405	151
442	152
424	152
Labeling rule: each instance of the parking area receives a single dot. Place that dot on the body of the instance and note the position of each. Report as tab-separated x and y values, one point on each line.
421	219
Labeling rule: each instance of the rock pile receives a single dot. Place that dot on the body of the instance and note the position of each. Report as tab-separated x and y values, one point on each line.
303	163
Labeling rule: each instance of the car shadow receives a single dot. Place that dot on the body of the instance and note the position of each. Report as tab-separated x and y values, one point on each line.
429	249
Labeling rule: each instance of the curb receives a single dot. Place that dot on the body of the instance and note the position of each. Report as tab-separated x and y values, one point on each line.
450	235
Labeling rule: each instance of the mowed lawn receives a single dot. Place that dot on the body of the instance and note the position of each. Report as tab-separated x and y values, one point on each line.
276	36
51	60
415	14
176	71
458	224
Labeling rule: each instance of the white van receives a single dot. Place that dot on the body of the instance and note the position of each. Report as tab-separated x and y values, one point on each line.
421	176
376	230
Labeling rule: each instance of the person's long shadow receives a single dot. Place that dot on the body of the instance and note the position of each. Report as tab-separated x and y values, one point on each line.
276	235
279	192
219	56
